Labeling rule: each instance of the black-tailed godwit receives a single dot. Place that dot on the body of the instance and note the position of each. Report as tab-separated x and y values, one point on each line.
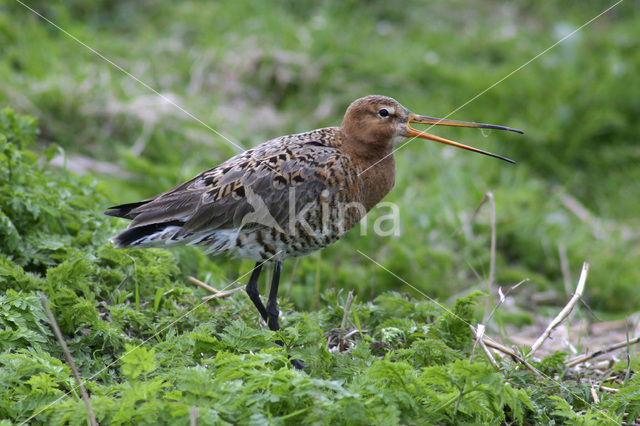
287	197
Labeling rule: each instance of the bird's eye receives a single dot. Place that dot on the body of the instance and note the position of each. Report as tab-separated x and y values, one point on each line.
383	113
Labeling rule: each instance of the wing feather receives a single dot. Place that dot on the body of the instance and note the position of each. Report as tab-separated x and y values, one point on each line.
299	166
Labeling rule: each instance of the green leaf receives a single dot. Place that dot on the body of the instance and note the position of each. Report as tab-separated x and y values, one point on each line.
137	361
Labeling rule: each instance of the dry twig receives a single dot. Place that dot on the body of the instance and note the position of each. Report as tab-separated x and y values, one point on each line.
608	389
203	285
582	213
564	267
479	341
594	354
224	293
628	353
347	305
513	354
503	297
193	416
67	355
564	313
122	283
293	274
216	293
492	261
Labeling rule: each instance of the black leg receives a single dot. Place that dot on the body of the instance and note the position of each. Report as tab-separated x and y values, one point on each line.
254	293
272	303
271	312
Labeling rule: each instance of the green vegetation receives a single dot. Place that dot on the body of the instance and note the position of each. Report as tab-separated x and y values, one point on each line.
151	352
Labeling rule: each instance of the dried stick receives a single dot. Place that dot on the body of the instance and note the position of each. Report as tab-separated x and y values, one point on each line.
503	297
488	196
216	293
122	283
293	274
608	389
628	371
564	267
492	261
473	215
193	416
347	305
203	285
513	354
67	355
564	313
479	341
575	207
224	293
607	349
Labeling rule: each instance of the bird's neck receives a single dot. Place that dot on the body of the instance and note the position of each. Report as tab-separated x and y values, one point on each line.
376	167
376	180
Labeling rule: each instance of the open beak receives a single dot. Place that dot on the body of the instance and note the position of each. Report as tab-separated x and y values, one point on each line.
423	119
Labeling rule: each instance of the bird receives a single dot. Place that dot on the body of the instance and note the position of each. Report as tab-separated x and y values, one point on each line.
286	197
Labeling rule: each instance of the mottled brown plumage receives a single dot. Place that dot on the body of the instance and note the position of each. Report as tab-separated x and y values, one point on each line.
286	197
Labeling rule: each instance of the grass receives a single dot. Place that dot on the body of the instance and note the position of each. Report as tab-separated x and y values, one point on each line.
252	71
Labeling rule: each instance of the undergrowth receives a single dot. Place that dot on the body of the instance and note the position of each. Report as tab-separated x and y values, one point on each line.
152	353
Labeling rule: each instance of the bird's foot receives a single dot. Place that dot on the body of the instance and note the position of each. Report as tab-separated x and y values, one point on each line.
298	365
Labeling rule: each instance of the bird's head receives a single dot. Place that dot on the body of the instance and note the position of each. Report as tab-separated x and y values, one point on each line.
378	123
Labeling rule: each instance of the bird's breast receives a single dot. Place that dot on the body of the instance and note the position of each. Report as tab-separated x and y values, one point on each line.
376	178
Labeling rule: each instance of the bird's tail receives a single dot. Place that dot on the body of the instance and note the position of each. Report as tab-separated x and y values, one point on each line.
125	210
155	234
143	235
